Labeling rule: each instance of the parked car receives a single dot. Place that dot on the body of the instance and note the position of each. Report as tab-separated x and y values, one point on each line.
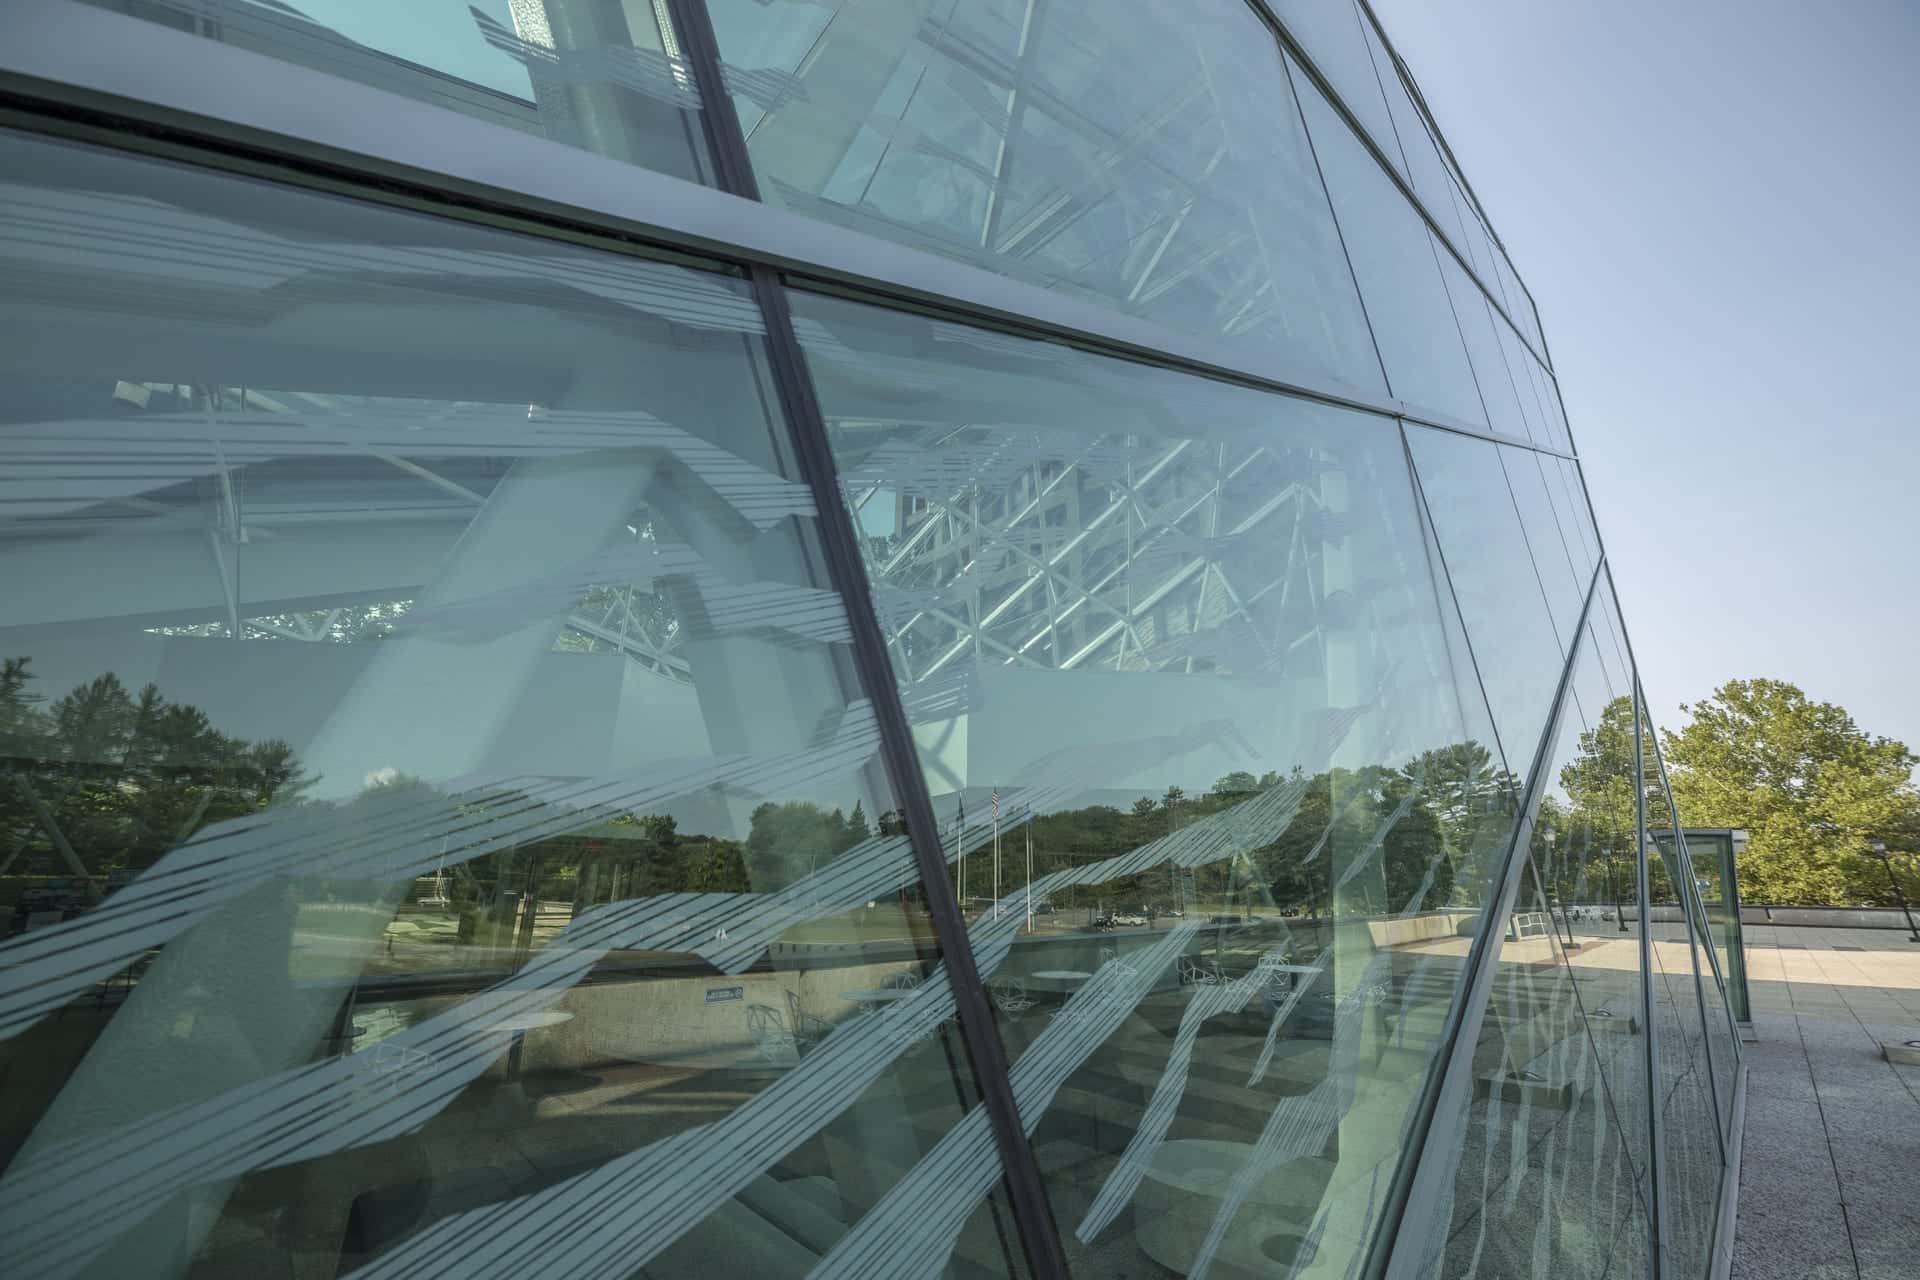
1130	918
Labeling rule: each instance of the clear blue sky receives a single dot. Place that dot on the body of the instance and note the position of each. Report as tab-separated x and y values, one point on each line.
1717	208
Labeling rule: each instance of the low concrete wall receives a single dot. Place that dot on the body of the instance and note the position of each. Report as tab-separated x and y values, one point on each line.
1827	917
1400	931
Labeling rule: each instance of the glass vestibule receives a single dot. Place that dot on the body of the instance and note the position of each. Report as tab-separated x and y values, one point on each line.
1713	852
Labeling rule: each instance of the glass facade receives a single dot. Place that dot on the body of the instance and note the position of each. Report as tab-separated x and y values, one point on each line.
679	638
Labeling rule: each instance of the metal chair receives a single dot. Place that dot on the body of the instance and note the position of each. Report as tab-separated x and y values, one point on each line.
807	1030
1010	996
771	1037
1198	972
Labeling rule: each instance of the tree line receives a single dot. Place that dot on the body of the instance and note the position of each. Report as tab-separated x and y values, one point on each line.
106	779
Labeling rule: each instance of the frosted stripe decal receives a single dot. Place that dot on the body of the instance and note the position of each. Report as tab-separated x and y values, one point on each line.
353	1103
382	835
929	1206
137	239
665	1189
1299	1126
52	1206
1202	1003
58	465
805	611
911	1231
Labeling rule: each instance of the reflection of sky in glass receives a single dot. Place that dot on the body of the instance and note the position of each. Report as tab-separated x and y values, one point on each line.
440	34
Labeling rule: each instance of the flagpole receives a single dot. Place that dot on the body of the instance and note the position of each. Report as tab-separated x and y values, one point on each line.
1029	826
960	840
996	853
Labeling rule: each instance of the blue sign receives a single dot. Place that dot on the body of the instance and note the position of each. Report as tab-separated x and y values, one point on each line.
716	994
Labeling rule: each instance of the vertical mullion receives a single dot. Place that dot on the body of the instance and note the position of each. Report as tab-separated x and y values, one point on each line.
1656	1151
1400	1253
800	406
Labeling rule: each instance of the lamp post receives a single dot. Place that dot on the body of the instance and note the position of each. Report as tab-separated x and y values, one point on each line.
1619	912
1880	847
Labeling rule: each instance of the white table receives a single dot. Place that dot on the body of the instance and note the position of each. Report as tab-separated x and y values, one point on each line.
512	1095
1063	975
1185	1186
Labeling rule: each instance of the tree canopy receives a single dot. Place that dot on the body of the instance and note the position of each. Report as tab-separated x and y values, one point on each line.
1808	783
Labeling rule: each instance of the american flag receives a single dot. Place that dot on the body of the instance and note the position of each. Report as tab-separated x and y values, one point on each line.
996	804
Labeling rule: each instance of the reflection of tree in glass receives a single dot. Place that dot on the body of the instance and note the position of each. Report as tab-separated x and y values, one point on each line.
115	779
788	840
346	624
1455	797
1594	829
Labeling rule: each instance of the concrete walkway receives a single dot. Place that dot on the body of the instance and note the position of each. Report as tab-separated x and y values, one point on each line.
1830	1172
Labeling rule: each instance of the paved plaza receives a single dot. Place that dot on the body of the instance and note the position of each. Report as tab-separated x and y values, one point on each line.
1830	1173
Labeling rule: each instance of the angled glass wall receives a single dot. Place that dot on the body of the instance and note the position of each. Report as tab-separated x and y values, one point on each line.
1543	1180
1490	572
415	650
701	637
1157	165
1218	718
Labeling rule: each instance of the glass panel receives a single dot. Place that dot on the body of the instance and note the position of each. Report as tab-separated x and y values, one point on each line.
1551	435
603	75
441	760
1713	862
1528	390
1713	995
1542	1182
1553	473
1430	180
1691	1158
1514	645
1155	165
1719	1029
1413	321
1565	589
1483	348
1225	793
1577	503
1478	249
1330	32
1587	824
1550	403
1519	302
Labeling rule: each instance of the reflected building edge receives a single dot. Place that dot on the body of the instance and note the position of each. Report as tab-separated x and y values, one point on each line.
481	799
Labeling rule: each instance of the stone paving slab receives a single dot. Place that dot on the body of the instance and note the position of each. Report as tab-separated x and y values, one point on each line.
1830	1168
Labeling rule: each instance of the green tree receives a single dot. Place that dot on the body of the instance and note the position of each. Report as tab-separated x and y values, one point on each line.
1809	784
715	866
787	839
1237	783
1595	833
